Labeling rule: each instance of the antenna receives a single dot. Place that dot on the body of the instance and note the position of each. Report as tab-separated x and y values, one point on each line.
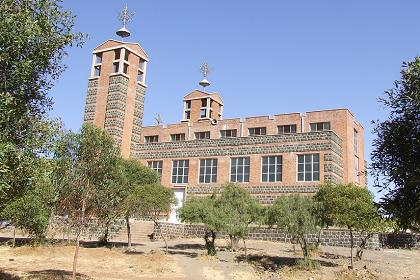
125	16
158	119
205	71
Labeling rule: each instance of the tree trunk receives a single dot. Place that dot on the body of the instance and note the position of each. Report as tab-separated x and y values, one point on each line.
362	246
351	248
14	237
79	230
162	235
209	238
234	243
246	256
127	220
106	233
305	249
318	239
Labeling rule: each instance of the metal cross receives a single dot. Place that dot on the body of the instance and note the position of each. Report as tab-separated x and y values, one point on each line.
125	15
205	69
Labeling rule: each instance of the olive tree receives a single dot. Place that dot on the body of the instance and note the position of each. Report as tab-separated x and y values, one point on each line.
295	215
241	210
350	206
205	211
86	162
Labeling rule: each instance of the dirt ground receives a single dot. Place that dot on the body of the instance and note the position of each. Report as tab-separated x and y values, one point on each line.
187	260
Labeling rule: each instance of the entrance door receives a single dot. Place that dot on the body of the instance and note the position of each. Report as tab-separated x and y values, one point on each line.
179	195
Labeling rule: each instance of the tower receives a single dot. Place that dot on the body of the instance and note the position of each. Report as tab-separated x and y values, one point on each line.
116	88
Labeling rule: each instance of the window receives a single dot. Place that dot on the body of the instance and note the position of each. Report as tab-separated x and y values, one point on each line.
229	133
203	113
356	168
271	170
253	131
202	135
151	139
140	76
141	64
187	111
208	171
308	167
178	137
355	141
239	169
98	58
97	71
320	126
180	171
204	102
156	166
125	68
115	67
117	54
126	55
290	128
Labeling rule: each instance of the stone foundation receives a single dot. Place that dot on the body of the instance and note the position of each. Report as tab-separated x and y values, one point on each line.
329	237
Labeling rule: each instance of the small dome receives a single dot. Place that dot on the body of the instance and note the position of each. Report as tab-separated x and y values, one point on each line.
204	83
123	32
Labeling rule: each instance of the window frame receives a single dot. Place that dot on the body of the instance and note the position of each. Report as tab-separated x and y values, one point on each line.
172	136
184	175
312	167
317	124
226	130
213	171
158	169
290	128
243	170
199	133
260	128
150	137
268	169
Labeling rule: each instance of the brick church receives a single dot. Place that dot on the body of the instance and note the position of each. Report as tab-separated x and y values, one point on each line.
267	155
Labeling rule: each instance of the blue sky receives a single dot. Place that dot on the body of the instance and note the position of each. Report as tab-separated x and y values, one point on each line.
268	57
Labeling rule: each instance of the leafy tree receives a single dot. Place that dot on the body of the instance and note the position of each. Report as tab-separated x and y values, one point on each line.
205	211
135	176
155	200
34	36
86	162
348	205
295	215
241	209
396	150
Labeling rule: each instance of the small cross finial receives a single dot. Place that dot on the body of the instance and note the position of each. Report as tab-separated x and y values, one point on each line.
158	119
205	69
125	15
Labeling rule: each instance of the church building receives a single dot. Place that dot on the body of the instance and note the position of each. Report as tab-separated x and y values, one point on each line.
268	155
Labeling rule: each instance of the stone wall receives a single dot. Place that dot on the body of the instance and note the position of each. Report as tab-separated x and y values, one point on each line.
329	237
400	240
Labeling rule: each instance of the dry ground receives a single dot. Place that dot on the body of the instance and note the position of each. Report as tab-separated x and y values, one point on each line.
187	260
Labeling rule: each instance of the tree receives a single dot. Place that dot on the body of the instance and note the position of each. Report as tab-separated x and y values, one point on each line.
241	209
348	205
34	36
155	200
205	211
295	215
86	162
135	176
396	150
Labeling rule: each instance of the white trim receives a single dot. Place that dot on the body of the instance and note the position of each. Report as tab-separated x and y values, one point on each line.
121	46
275	164
312	165
211	170
118	73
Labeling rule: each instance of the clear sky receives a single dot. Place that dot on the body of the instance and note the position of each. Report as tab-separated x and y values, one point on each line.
268	57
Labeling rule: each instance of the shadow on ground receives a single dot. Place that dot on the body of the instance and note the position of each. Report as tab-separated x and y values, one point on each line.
49	274
273	263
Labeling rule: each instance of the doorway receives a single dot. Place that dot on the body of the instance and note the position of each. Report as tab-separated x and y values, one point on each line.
179	194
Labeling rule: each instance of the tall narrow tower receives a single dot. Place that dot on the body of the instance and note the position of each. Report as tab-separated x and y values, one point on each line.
116	88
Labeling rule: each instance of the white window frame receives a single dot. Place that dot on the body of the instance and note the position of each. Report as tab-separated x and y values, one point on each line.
260	128
184	174
312	167
198	133
171	137
213	167
323	126
356	168
243	170
158	168
287	125
224	130
148	137
355	141
276	164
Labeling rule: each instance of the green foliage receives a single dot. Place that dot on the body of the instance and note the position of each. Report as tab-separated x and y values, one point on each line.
205	211
396	150
350	206
33	38
86	164
295	215
240	209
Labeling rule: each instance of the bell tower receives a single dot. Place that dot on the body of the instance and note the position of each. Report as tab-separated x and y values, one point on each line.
117	86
